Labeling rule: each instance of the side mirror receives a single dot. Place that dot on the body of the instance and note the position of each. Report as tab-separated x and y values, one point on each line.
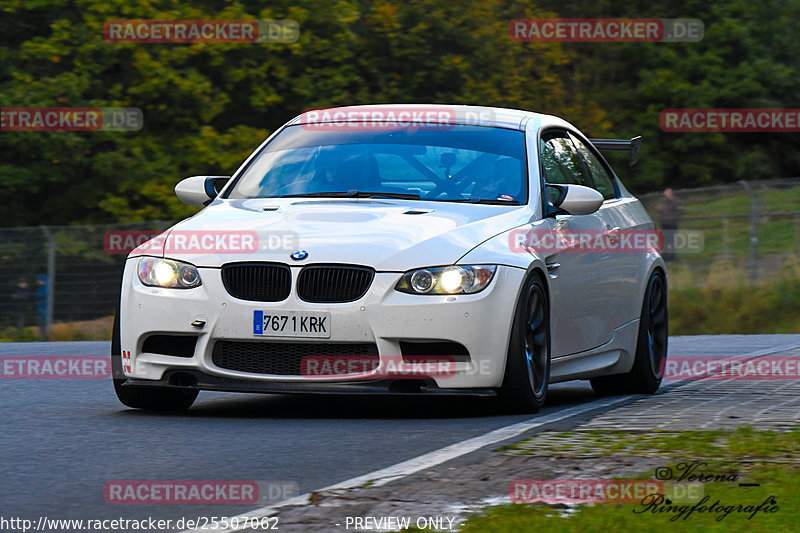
574	199
199	190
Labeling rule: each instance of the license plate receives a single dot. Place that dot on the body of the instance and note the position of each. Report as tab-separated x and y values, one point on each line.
291	324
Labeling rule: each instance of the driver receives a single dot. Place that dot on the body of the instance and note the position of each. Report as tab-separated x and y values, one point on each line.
505	184
327	173
337	171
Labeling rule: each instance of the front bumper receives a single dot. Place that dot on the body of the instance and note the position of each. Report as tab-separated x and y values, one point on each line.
480	322
193	379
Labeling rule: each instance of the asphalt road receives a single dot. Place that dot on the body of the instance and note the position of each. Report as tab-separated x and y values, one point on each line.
62	440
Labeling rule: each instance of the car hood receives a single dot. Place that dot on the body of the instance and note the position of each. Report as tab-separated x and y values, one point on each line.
388	235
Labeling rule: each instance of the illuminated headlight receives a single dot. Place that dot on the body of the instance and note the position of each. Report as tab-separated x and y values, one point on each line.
157	272
447	280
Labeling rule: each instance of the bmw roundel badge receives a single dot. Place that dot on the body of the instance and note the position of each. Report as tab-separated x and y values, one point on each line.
299	255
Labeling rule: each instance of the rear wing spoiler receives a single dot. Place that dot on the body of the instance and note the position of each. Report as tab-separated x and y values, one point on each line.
618	144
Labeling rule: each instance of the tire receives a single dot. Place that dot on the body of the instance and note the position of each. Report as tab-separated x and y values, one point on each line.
651	346
527	372
143	397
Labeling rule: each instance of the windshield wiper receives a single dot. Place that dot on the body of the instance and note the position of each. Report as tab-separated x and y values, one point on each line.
481	201
354	194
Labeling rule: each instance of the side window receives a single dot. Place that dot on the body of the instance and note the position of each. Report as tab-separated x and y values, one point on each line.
561	163
603	181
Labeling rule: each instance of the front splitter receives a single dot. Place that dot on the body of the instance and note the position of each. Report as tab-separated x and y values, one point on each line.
196	380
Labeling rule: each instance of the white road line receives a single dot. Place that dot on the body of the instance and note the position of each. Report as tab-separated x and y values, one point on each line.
770	351
442	455
434	458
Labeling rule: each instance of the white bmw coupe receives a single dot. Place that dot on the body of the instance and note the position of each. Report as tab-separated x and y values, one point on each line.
401	249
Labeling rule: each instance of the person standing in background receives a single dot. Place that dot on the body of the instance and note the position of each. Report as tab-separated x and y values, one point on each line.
670	211
21	302
41	301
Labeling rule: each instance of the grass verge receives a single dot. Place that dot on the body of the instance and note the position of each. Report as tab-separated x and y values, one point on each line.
86	330
767	458
725	302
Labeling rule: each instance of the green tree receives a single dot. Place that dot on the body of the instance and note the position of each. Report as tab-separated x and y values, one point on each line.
206	106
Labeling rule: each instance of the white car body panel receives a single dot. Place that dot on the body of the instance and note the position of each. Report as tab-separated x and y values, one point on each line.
376	232
595	301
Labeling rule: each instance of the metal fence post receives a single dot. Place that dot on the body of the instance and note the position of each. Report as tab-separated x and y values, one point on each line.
753	230
51	281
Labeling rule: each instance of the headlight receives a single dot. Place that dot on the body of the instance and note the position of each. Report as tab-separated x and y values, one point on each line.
447	280
157	272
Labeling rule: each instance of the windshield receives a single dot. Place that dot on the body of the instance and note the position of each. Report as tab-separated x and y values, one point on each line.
459	163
